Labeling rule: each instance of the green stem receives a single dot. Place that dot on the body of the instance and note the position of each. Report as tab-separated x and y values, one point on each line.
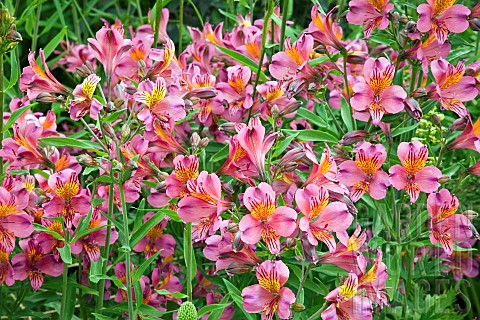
476	301
347	87
199	15
339	127
284	23
106	251
189	258
35	29
158	18
64	280
409	265
317	314
396	214
180	28
304	277
1	107
128	284
139	9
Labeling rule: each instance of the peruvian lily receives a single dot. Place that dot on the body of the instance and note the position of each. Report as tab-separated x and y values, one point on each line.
364	174
109	47
373	281
185	168
462	262
446	225
238	165
321	218
68	197
452	87
203	199
236	92
469	138
158	105
442	16
6	269
34	80
155	240
324	29
266	220
33	264
413	176
253	140
377	95
293	62
84	101
370	13
269	296
346	304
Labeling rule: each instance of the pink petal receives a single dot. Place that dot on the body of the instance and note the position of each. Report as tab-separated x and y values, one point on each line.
378	185
427	179
192	209
251	229
255	297
398	177
286	299
283	221
349	173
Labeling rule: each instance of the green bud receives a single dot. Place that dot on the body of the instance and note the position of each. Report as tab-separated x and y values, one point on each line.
187	311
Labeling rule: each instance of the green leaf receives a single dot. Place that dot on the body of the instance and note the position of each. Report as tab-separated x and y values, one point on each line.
284	144
69	142
66	253
177	294
56	235
147	226
102	317
399	131
53	44
243	60
220	155
312	117
376	242
215	315
237	298
211	307
85	290
95	270
16	114
346	113
114	115
141	269
312	135
139	215
14	71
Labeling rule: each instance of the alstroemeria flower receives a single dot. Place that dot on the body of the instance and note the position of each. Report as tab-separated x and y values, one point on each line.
413	176
446	225
321	218
203	199
452	87
266	220
287	65
236	92
238	165
346	304
34	80
442	16
165	63
84	101
253	140
158	105
33	264
377	95
469	138
365	174
371	13
269	296
155	240
185	168
325	30
6	270
373	281
109	47
68	197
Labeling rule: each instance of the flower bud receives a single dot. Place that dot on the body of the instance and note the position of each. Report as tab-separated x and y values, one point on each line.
203	143
436	120
237	243
45	97
108	130
14	36
395	17
232	227
338	149
375	138
355	59
110	107
227	188
161	186
458	125
88	67
125	132
195	141
131	165
290	108
352	137
162	176
418	93
118	103
403	19
290	243
295	88
95	130
309	250
321	49
141	65
470	214
80	72
187	311
444	179
130	89
86	160
200	93
41	200
39	192
474	24
228	127
117	165
238	268
412	108
275	111
411	26
297	307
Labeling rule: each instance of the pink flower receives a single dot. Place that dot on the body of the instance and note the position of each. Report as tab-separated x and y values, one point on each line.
447	226
413	176
324	29
34	80
321	218
365	174
373	281
269	296
377	95
238	164
158	105
155	240
442	16
370	13
185	168
68	197
109	47
462	263
346	304
34	264
236	92
84	101
469	138
204	198
452	87
253	140
266	220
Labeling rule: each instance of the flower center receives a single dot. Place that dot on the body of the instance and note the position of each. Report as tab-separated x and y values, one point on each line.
274	93
8	208
89	85
155	232
453	77
271	284
157	95
380	81
368	165
253	49
378	4
294	55
317	205
237	83
186	173
262	211
414	163
137	54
